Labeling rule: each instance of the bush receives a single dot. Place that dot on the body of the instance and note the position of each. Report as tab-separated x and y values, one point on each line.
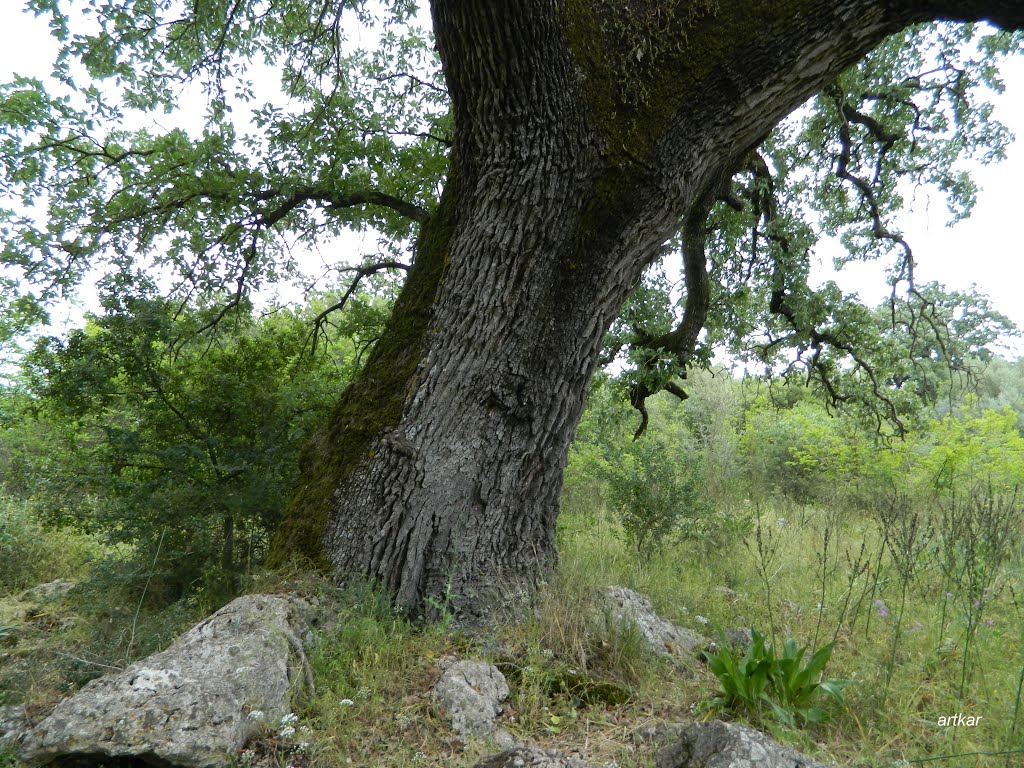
30	554
176	446
658	497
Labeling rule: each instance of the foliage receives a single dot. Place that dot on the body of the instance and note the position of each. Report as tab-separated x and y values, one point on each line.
215	201
204	196
657	498
949	338
658	485
784	684
839	167
181	447
970	448
30	554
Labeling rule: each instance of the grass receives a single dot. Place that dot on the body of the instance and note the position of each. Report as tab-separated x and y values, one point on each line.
579	684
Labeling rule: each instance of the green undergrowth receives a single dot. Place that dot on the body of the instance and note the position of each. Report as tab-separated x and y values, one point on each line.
579	681
907	668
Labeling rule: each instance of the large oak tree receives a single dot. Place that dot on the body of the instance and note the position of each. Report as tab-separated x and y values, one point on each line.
583	137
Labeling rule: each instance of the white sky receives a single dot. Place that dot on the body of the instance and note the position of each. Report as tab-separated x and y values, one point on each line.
986	250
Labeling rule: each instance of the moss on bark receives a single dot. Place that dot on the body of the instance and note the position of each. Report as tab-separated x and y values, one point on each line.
644	61
372	404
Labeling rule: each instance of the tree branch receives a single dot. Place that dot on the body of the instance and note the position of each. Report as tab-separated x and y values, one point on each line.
681	342
335	201
361	272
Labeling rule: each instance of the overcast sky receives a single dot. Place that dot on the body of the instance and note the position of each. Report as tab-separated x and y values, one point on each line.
986	250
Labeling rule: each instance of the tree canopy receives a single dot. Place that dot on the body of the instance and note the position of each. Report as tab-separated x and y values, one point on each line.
355	132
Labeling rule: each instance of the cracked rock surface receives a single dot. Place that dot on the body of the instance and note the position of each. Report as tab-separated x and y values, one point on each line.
663	637
530	757
187	705
471	693
728	745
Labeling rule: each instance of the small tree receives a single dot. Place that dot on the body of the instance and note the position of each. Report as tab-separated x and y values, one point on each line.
173	444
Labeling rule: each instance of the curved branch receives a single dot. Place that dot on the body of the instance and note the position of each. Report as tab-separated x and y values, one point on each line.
681	342
335	201
361	272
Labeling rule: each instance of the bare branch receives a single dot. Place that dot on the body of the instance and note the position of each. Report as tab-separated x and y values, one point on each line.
361	272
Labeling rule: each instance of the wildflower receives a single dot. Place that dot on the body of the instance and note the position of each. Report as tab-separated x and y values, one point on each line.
702	619
363	693
257	715
819	606
287	732
990	622
290	718
346	702
883	609
547	653
782	522
949	595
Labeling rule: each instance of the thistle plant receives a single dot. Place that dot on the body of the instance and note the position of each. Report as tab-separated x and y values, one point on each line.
977	532
907	534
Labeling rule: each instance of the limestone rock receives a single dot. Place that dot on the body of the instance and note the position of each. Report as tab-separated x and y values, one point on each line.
663	637
48	592
530	757
13	725
471	693
728	745
657	733
188	705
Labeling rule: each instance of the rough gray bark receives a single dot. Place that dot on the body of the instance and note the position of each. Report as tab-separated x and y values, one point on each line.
572	164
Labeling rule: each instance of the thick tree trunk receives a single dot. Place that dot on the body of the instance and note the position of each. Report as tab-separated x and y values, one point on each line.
587	133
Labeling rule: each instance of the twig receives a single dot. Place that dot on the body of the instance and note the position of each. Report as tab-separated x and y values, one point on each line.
131	639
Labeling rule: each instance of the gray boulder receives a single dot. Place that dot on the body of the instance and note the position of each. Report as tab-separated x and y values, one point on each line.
530	757
663	637
194	704
471	695
13	724
728	745
48	592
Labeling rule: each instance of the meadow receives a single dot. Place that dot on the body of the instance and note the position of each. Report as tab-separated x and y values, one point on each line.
740	509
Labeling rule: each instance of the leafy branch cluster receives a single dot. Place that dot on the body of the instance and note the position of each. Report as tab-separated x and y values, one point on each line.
353	137
841	167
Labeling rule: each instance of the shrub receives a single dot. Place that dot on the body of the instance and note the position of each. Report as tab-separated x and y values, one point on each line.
30	553
658	497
